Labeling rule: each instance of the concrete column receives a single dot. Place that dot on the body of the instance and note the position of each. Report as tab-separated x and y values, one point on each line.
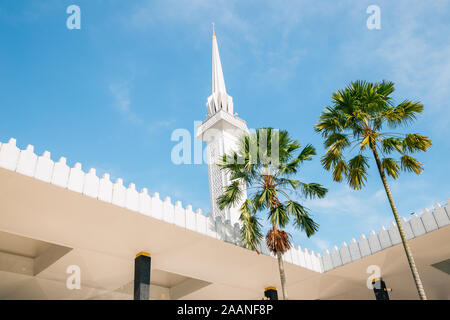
271	293
142	266
380	290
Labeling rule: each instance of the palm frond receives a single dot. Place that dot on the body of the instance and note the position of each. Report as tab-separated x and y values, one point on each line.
404	113
278	216
251	233
357	173
414	142
313	190
289	168
411	164
264	197
231	196
340	170
307	153
286	181
331	158
331	121
390	144
391	167
302	220
338	140
385	89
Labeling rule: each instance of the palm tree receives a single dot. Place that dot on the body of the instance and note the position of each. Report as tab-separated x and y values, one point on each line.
265	163
357	122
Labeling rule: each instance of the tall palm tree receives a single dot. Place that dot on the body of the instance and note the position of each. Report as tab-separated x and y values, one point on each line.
356	121
265	163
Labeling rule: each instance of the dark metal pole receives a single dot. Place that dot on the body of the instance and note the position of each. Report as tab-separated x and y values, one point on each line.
271	293
380	290
142	266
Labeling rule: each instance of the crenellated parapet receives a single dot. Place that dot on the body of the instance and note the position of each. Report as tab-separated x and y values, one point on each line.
414	227
58	173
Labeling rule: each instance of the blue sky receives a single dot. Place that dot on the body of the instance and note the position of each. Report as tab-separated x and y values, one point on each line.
110	95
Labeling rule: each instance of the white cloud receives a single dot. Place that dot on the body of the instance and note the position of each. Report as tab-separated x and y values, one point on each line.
163	124
122	102
321	243
365	208
410	49
406	48
419	64
239	27
194	12
121	94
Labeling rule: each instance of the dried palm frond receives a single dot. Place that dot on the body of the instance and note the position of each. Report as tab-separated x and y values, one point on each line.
278	241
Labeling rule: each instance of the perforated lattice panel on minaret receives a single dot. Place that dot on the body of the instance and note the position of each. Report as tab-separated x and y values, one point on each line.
216	177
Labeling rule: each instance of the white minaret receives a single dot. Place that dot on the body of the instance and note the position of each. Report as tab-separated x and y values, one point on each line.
221	132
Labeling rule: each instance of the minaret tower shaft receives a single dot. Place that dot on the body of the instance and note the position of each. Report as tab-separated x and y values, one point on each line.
221	132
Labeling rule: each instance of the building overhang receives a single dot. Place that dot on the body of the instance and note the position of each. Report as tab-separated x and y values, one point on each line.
104	239
53	216
221	121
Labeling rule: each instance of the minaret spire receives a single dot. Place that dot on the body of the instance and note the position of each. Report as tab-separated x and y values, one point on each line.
221	132
219	98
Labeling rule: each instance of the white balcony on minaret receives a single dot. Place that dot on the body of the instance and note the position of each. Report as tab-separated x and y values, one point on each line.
221	132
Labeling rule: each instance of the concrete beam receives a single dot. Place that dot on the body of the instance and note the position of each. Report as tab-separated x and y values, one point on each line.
49	257
187	287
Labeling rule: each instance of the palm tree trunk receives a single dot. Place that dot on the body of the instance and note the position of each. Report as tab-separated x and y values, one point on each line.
282	275
411	262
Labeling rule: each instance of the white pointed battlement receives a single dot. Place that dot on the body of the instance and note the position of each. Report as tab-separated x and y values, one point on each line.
416	226
43	168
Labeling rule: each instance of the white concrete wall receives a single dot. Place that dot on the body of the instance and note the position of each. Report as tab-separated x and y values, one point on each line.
75	179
